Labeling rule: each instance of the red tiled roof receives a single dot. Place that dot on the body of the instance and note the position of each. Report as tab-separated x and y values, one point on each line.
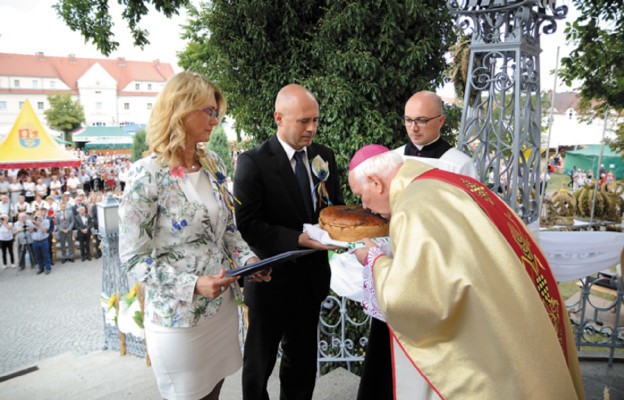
565	100
35	91
70	69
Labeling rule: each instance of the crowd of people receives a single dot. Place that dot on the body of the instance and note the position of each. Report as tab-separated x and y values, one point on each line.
44	211
580	177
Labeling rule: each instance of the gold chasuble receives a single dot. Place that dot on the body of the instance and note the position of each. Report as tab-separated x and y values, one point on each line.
470	313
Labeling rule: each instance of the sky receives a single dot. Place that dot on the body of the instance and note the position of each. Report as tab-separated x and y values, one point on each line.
31	26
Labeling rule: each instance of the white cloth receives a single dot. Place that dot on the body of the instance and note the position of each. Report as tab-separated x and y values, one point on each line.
409	383
316	233
189	362
574	255
346	276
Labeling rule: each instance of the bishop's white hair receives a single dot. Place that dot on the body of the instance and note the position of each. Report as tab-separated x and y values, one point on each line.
381	164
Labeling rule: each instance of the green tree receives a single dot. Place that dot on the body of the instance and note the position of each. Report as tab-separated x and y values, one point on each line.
597	60
138	145
93	20
450	129
362	60
219	144
64	114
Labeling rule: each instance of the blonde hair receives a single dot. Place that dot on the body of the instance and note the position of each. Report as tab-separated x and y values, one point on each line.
183	93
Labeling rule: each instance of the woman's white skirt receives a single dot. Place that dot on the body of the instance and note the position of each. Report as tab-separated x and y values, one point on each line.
189	362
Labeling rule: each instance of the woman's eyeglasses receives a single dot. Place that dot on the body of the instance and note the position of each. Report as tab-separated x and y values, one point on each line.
211	112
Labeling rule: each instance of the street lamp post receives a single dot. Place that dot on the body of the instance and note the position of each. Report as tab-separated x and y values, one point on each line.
114	280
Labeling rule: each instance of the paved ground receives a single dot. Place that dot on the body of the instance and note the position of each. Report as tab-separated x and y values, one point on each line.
46	315
43	316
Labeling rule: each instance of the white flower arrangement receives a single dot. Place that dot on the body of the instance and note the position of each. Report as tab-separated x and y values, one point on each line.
110	313
124	313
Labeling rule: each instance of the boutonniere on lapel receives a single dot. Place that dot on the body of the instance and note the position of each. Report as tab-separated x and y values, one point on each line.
209	163
320	169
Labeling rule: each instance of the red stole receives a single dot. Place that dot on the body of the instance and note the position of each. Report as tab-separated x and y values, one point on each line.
520	240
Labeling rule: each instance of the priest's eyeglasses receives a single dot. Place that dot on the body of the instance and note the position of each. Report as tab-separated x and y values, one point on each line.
211	112
420	122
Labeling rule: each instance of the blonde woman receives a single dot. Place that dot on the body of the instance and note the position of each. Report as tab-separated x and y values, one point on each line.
177	237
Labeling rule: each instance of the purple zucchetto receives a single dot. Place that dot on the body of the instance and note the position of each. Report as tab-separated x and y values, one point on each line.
366	152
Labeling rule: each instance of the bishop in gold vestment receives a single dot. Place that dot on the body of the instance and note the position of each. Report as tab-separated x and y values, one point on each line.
472	307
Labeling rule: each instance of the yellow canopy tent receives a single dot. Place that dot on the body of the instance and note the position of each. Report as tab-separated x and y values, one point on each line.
28	145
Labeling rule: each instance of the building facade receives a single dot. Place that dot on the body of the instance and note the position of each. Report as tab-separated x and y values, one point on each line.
113	92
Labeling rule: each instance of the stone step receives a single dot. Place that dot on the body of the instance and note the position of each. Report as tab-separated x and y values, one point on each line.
339	384
95	375
107	375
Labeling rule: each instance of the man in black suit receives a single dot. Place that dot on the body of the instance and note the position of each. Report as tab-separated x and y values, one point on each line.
92	211
83	224
274	203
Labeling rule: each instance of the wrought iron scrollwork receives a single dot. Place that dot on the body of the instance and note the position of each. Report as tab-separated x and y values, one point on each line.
501	120
596	314
342	332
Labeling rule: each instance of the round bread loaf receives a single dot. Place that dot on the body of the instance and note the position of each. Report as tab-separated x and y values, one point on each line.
352	223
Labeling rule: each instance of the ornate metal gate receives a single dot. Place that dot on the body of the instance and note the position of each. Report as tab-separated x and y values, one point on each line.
500	125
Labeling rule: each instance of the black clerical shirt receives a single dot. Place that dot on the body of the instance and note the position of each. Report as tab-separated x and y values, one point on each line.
432	150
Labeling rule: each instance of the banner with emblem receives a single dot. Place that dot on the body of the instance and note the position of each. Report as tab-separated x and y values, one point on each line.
28	145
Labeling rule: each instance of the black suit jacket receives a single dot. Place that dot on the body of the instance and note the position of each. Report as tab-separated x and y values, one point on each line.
270	214
79	225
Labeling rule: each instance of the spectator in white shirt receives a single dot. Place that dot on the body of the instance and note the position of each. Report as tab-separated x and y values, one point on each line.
15	190
55	184
5	206
29	189
21	206
4	184
38	204
85	180
41	189
123	175
52	203
6	240
73	183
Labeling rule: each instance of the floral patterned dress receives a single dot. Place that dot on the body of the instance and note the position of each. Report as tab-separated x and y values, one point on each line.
167	238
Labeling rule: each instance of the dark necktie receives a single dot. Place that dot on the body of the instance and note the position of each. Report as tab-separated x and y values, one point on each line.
304	181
